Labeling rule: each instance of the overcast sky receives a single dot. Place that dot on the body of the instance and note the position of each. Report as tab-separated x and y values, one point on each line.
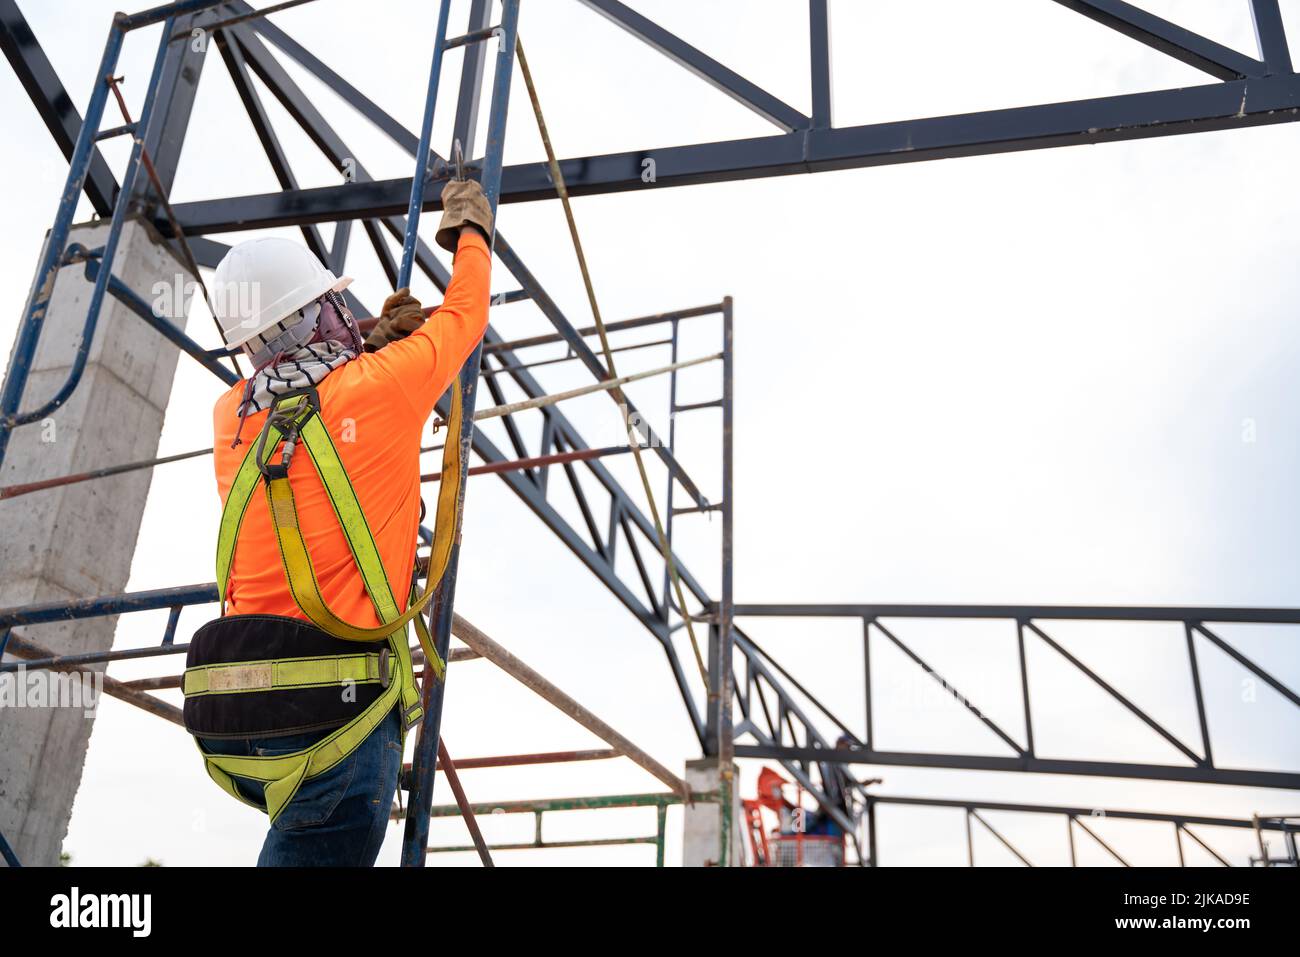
1062	376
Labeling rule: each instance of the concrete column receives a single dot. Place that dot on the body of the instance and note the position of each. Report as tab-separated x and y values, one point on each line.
79	540
702	823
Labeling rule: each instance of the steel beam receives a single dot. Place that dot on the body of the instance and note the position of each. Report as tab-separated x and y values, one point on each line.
819	58
779	735
1118	814
177	86
721	78
1190	613
1235	104
237	67
386	124
1169	38
1270	34
1026	763
52	102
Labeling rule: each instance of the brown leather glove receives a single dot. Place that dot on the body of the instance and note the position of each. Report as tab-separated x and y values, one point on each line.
400	317
463	204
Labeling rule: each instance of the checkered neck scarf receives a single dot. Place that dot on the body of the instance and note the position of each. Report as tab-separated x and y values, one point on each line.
299	368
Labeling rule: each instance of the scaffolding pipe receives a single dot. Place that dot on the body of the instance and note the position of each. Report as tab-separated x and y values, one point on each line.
544	757
26	648
466	811
596	802
541	401
534	681
513	345
538	461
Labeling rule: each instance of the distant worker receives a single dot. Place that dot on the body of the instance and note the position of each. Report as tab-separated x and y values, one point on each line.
771	795
300	695
837	785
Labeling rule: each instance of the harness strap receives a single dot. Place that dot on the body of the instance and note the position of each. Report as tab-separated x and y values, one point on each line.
294	416
432	659
282	774
293	548
287	673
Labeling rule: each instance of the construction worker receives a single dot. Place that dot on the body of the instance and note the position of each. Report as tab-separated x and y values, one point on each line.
303	721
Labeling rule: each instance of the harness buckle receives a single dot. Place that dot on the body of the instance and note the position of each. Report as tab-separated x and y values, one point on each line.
411	716
287	423
385	669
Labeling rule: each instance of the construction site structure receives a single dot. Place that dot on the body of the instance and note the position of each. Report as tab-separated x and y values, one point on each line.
61	594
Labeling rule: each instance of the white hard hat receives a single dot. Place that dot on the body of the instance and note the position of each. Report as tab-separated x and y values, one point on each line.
262	281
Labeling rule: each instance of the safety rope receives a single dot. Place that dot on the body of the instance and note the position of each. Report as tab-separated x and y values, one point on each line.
557	177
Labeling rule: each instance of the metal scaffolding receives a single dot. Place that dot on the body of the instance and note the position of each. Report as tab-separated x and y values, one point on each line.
751	706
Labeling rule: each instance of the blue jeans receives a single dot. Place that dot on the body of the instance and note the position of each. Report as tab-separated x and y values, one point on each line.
337	819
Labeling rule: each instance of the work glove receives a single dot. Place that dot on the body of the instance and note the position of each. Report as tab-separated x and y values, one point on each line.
463	204
401	316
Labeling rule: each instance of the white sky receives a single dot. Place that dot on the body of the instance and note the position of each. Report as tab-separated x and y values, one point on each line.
1020	378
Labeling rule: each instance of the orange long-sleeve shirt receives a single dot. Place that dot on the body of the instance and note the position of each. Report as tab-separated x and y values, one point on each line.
374	407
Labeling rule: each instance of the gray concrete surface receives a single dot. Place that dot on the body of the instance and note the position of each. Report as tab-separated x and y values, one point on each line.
80	540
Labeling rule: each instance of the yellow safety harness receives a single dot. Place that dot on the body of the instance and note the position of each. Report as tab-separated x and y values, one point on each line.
295	417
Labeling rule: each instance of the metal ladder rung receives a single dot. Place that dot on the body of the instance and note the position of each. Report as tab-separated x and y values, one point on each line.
478	36
123	130
694	509
715	404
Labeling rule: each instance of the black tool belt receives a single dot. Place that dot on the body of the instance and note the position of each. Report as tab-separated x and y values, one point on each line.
267	675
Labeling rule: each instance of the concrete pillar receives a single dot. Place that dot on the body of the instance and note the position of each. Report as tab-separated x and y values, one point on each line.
79	540
702	822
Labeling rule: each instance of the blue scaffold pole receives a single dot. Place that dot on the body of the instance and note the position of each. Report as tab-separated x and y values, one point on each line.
416	839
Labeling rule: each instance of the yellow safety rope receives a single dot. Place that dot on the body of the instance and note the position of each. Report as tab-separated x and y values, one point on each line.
617	393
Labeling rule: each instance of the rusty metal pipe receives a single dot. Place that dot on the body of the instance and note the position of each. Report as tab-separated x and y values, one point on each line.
543	757
558	458
588	331
533	680
536	845
462	802
504	370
